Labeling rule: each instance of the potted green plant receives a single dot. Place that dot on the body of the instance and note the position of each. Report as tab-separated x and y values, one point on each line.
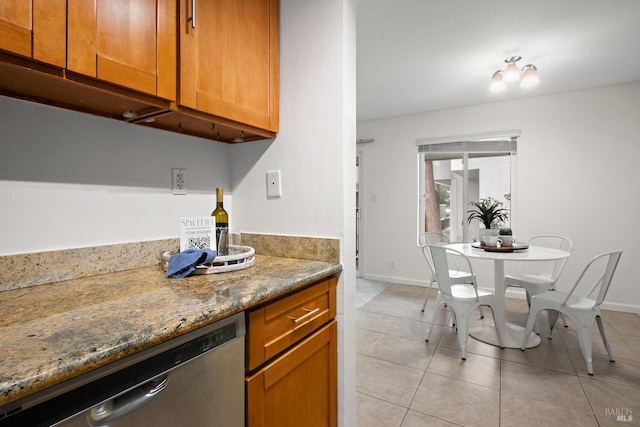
489	212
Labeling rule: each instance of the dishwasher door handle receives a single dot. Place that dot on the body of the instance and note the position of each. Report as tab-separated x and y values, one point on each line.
108	411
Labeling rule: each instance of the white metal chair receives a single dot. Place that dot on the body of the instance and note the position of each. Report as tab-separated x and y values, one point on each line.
459	275
461	297
540	276
581	309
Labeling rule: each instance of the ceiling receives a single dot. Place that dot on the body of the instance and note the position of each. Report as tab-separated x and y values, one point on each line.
423	55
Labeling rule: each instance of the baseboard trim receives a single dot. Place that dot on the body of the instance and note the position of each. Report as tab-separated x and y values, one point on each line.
511	292
395	279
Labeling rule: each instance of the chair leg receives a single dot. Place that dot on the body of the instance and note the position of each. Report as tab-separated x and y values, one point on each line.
534	312
497	329
536	328
562	316
433	319
481	313
564	320
585	340
603	334
427	298
553	319
462	334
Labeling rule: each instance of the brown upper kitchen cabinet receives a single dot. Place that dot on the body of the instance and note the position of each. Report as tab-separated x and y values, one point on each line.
205	68
131	43
229	60
35	29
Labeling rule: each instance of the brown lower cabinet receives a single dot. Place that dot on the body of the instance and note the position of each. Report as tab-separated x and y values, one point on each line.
297	387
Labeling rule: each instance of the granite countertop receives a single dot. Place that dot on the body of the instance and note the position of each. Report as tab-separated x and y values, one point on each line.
54	332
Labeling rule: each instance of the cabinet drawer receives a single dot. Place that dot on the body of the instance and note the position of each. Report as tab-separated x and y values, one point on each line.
277	326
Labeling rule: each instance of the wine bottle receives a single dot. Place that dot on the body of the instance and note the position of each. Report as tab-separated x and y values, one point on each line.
222	225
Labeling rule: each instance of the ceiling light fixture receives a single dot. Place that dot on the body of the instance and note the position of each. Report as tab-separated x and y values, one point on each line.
528	75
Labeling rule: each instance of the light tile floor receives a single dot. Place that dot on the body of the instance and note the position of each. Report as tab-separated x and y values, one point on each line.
403	381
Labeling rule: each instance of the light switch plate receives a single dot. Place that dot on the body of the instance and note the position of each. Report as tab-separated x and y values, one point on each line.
274	186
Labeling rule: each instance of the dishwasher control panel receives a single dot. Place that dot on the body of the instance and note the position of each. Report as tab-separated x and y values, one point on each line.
185	352
203	344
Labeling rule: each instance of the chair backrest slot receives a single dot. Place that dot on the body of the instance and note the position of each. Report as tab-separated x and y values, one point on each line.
548	269
440	256
603	280
431	238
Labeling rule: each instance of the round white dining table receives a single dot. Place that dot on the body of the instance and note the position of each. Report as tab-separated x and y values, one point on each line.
512	334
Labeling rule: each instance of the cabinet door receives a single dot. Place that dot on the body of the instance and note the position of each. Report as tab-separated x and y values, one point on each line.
35	29
299	388
229	59
127	42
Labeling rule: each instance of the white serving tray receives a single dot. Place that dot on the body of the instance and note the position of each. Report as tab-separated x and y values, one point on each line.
239	258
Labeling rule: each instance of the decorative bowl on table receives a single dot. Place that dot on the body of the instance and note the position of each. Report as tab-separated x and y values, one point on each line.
516	246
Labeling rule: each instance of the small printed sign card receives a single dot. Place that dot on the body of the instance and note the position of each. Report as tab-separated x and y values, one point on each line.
197	232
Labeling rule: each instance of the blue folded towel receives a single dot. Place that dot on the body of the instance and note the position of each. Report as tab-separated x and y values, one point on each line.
183	263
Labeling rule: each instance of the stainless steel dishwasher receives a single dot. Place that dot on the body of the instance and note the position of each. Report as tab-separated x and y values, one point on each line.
194	380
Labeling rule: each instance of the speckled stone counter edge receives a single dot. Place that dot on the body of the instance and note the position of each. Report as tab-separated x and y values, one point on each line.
32	269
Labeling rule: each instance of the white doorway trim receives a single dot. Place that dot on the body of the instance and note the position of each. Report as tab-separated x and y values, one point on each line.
361	211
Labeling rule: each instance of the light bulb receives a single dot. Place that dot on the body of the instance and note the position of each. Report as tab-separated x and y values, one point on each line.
530	77
511	73
497	84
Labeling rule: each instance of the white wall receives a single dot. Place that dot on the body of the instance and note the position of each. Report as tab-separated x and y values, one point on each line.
578	164
72	180
315	152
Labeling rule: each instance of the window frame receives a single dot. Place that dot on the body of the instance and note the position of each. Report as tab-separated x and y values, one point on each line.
452	147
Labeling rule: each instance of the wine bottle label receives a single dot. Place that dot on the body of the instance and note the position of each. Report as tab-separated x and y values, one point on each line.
222	238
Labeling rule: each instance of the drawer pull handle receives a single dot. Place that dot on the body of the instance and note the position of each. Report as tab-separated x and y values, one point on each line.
304	316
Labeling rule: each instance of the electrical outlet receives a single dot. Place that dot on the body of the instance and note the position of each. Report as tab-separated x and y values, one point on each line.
179	181
392	265
274	186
